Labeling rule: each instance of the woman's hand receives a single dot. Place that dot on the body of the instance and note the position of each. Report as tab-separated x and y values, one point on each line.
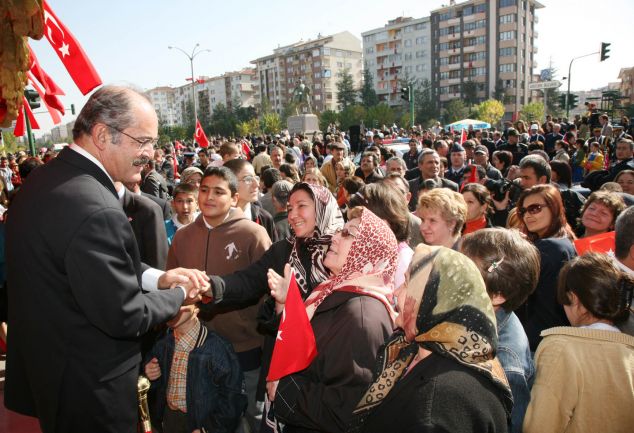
271	389
152	369
279	285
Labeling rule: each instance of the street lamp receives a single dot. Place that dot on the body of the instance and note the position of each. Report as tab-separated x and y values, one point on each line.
191	58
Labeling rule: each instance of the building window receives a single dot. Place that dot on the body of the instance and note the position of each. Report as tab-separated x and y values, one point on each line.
507	67
369	50
421	26
408	69
507	36
408	56
326	51
508	18
327	73
505	3
408	42
408	29
317	97
508	51
317	64
444	61
318	75
420	40
420	54
421	68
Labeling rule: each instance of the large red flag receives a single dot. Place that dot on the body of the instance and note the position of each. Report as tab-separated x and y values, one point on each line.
52	110
51	89
295	346
463	136
20	123
601	243
199	135
70	52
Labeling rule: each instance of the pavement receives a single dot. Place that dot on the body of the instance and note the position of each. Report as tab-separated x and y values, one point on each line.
11	422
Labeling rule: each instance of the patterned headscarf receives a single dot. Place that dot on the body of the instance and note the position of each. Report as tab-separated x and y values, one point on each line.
448	312
328	220
368	269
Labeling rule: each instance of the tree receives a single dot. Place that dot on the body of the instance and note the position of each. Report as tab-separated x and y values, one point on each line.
189	121
533	111
424	105
248	127
223	121
351	115
470	93
290	109
9	142
326	118
455	110
367	92
490	111
379	115
271	123
346	95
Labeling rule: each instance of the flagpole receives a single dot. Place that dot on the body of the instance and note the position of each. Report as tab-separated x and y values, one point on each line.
191	58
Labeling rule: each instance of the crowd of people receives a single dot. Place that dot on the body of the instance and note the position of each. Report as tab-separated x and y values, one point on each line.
443	284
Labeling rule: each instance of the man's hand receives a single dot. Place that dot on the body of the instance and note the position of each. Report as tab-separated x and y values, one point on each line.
271	389
152	369
187	278
503	204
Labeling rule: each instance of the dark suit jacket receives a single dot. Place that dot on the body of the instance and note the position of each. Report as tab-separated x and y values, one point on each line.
163	204
77	309
148	225
155	184
415	185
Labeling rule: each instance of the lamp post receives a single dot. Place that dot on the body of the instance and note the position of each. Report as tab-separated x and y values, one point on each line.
191	58
570	79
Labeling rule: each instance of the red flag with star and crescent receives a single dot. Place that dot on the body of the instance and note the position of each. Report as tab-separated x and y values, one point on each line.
70	52
295	346
199	135
601	243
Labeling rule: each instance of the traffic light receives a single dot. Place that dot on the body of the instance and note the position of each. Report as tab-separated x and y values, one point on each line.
605	50
573	101
562	101
405	93
72	109
33	98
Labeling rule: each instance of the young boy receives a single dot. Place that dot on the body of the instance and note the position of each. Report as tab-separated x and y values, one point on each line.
203	388
185	207
221	241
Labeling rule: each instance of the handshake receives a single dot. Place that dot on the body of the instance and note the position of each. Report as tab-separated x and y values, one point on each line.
195	283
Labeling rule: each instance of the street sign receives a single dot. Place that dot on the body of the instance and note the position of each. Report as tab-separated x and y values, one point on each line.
544	85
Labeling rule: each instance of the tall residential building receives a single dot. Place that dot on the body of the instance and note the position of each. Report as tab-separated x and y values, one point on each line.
626	88
163	99
399	51
319	63
488	42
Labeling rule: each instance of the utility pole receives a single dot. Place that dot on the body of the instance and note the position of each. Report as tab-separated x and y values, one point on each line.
191	58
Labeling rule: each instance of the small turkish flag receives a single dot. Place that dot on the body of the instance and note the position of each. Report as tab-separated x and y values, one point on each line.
601	243
52	109
295	346
463	136
472	177
51	89
70	52
199	135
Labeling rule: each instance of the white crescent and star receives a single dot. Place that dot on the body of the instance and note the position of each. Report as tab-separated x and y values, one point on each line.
50	20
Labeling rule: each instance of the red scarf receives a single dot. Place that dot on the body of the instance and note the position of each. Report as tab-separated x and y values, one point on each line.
475	225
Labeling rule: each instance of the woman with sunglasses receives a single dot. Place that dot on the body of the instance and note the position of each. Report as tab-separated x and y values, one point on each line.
584	380
351	315
543	220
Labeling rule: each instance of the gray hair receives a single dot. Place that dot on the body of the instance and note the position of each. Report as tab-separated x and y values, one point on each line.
281	191
110	105
400	161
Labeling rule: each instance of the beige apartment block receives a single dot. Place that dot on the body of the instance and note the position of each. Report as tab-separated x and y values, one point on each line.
488	42
319	63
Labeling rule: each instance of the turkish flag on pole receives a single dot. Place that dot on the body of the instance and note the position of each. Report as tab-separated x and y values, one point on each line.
199	135
70	52
463	136
295	346
20	123
51	89
601	243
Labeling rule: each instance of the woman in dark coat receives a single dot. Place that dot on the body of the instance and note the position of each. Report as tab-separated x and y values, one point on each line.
439	373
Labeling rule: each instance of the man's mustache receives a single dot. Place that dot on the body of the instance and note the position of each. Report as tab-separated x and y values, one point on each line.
140	161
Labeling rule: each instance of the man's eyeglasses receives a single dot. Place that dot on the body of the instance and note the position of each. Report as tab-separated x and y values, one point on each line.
345	233
532	209
248	180
143	141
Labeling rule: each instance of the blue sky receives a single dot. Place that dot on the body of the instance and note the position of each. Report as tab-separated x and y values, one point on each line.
127	40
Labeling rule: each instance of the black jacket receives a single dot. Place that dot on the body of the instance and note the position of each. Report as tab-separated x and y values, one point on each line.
349	329
77	309
416	185
155	184
440	395
262	217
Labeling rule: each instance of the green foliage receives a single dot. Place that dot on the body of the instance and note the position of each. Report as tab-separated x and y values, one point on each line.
10	143
424	105
367	92
346	95
455	110
248	127
379	115
290	109
533	111
351	115
271	123
326	118
470	92
223	121
490	111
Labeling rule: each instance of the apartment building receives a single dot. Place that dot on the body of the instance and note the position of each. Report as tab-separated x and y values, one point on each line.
396	53
626	87
488	42
319	63
164	98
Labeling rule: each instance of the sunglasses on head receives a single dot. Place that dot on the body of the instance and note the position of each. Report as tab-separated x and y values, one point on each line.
532	209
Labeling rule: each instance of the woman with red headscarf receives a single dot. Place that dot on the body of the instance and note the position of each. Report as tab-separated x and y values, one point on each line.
351	315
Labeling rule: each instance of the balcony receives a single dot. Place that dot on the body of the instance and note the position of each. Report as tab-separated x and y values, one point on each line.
453	66
453	21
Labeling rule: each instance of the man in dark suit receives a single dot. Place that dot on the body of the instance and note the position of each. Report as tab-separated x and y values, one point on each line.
148	225
429	166
77	307
153	183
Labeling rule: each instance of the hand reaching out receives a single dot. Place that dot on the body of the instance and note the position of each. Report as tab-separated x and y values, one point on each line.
152	369
279	285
